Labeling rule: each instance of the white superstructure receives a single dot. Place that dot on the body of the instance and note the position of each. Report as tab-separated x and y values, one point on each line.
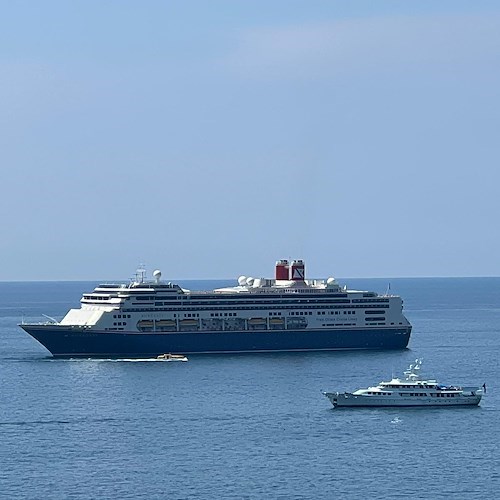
254	304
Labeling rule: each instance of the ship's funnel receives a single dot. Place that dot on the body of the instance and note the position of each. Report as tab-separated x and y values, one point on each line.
297	270
282	270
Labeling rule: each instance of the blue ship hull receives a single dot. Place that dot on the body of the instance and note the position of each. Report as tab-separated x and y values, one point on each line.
77	342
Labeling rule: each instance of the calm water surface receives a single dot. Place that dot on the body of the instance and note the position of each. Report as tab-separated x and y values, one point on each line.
250	426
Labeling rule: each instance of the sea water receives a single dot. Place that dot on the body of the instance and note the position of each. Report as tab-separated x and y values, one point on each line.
251	426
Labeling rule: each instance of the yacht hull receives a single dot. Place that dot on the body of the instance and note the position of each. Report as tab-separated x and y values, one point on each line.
64	341
352	401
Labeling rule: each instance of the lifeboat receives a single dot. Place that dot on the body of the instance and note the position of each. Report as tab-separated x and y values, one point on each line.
145	325
276	321
166	324
189	324
257	321
257	324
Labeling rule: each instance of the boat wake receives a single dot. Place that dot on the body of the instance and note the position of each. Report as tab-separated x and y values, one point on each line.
159	359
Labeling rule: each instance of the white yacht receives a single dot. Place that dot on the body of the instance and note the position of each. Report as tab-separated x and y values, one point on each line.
409	391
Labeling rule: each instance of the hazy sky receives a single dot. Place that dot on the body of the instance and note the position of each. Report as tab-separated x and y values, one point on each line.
210	138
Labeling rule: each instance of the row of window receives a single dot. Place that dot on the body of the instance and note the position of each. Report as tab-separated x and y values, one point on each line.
338	312
292	313
340	298
438	395
370	300
238	297
160	302
232	303
241	299
403	387
319	313
246	308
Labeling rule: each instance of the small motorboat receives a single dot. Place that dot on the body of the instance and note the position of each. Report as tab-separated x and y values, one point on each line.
171	357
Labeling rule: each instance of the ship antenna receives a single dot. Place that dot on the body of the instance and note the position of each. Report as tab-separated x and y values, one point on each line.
140	273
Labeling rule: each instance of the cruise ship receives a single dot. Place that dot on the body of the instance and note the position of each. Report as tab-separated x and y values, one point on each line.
145	318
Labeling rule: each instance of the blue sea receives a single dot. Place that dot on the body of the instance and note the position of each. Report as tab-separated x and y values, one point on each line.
250	426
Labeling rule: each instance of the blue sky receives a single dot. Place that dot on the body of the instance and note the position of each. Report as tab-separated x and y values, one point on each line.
210	138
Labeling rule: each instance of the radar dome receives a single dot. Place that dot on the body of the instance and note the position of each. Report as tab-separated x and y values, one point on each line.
242	280
330	281
250	281
157	275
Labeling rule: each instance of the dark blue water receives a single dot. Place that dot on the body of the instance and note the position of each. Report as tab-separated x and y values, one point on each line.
250	426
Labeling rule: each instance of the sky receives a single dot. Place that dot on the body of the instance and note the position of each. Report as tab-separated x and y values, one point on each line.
210	138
